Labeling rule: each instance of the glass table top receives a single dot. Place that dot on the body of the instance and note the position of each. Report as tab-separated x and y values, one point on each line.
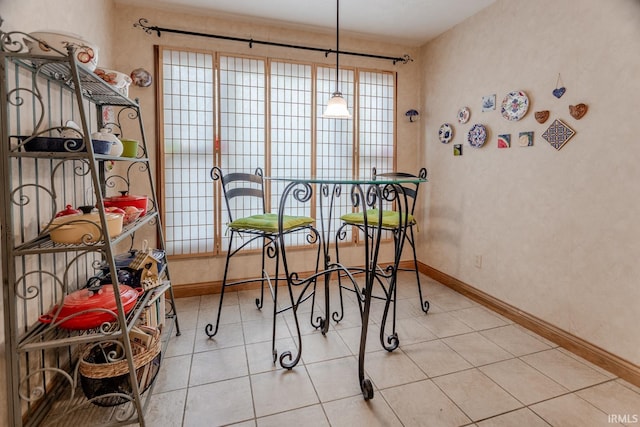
337	180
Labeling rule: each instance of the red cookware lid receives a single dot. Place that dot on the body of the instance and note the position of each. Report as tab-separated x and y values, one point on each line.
68	210
84	299
124	197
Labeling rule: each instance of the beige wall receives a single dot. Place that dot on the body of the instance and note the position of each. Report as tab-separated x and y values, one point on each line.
92	20
557	230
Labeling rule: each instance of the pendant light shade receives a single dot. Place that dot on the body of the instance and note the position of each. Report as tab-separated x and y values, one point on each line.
337	105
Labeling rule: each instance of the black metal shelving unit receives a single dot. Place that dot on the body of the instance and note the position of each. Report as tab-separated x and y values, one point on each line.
38	93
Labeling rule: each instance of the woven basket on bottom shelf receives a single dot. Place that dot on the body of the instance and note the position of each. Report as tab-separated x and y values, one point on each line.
99	377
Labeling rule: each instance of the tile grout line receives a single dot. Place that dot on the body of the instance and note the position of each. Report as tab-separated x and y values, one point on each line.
379	391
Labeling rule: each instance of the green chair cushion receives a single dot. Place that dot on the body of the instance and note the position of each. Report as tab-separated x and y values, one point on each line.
269	222
390	219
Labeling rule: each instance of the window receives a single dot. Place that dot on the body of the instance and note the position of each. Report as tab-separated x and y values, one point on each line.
376	121
291	132
187	148
242	122
261	113
335	142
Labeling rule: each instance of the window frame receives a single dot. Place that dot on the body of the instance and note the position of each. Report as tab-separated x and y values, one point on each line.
218	202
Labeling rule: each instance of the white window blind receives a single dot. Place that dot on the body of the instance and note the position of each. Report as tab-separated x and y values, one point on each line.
267	120
376	122
335	142
242	127
187	147
291	127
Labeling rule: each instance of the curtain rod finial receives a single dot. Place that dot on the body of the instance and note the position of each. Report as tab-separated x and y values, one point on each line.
143	23
406	58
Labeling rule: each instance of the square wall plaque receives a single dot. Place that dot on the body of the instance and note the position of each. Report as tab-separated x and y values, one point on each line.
558	134
525	139
504	141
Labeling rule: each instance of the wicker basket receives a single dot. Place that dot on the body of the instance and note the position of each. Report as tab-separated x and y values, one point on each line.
99	377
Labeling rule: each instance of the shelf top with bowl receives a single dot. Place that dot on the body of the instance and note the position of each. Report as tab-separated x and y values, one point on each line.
47	52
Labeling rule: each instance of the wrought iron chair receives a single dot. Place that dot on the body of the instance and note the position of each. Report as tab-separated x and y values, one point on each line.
247	190
400	222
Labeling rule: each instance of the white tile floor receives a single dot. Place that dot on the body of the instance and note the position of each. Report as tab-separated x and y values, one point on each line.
459	365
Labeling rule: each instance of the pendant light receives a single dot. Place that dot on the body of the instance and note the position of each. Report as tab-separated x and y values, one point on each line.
337	105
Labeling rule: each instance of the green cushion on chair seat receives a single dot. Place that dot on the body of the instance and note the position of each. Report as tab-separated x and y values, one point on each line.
269	222
390	219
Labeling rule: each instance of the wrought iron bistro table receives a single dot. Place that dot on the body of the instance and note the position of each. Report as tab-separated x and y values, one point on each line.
369	196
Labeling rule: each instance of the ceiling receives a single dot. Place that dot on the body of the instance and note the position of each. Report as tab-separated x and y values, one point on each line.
411	22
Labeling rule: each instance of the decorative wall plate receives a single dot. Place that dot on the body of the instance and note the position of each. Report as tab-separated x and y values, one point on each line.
141	77
477	135
445	133
514	105
463	114
558	134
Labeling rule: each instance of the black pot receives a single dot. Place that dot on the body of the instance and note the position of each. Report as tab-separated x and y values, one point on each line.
125	277
56	144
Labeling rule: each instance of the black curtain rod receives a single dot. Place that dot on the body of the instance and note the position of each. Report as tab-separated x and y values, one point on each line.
143	23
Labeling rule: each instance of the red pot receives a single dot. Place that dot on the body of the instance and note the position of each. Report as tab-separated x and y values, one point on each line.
68	210
86	301
125	200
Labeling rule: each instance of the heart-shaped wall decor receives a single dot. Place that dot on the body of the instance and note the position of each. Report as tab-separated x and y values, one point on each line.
542	116
558	92
578	111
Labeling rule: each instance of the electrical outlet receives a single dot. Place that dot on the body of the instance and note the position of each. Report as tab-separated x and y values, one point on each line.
478	261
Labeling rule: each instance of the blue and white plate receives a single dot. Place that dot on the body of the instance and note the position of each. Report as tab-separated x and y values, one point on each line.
463	115
445	133
477	135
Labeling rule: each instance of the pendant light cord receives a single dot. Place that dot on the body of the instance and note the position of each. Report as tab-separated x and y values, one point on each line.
337	43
